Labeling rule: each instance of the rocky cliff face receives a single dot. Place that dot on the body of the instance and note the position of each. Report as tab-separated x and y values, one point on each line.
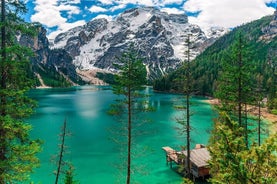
270	31
39	44
53	59
158	37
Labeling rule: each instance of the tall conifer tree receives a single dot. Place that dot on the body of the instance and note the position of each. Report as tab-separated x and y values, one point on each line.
17	150
185	81
129	82
235	83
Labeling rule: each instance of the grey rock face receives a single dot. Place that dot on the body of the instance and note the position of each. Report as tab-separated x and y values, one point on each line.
270	31
272	28
56	59
157	36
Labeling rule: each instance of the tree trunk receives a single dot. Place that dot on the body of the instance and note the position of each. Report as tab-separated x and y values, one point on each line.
240	83
259	123
129	132
188	108
246	126
61	153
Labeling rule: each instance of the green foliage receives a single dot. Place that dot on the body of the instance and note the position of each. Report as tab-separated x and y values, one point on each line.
106	77
272	82
132	74
128	84
187	181
232	161
185	86
20	151
274	111
171	82
225	145
50	76
206	67
235	83
240	80
17	150
69	176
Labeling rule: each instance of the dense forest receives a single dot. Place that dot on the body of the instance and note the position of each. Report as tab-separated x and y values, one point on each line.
206	68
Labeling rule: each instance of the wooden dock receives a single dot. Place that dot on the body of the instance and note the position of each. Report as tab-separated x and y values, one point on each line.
172	156
198	159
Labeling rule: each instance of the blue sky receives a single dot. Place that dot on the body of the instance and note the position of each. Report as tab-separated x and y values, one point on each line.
60	15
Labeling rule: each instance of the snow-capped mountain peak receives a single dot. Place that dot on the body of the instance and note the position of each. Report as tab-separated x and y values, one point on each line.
158	36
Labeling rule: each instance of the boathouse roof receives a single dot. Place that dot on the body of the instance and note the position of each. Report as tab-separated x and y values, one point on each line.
198	156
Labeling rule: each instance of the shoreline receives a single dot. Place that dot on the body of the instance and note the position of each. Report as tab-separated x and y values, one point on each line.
42	87
270	119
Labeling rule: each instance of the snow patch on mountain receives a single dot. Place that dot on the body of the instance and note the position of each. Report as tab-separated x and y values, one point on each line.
158	36
216	32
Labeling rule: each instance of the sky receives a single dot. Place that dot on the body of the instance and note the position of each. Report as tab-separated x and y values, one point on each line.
61	15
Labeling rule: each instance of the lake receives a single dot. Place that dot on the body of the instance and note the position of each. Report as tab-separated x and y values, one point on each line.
91	149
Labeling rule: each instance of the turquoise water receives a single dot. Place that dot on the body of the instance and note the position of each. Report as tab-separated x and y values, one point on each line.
95	156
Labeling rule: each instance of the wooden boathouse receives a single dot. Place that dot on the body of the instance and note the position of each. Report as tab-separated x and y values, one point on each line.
199	157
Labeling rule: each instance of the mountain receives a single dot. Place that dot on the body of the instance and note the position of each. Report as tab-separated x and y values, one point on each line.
53	66
260	37
159	38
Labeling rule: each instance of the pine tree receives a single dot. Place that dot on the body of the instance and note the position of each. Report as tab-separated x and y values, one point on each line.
231	160
235	83
184	121
259	97
271	68
60	162
17	150
69	176
226	143
64	167
129	82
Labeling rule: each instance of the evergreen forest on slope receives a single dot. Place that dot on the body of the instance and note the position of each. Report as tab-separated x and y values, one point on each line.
205	69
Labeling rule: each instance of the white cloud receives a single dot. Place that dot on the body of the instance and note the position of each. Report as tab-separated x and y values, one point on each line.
146	2
172	11
169	2
118	7
48	13
223	13
226	13
270	1
70	1
106	2
97	9
70	9
109	18
53	35
64	27
44	10
75	1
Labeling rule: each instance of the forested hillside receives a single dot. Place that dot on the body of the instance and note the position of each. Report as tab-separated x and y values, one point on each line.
261	50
